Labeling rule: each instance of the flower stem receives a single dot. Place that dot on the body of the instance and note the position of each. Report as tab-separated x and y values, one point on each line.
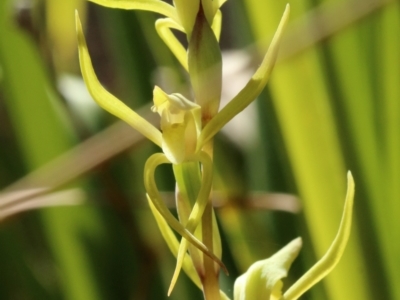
210	280
211	272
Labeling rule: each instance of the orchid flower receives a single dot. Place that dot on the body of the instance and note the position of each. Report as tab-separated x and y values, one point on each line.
263	279
187	127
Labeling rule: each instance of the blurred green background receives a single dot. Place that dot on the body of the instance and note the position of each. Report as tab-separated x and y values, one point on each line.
332	105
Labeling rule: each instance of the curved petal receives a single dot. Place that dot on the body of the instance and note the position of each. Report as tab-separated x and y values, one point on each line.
196	213
263	279
250	91
173	245
105	99
163	27
156	6
325	265
151	164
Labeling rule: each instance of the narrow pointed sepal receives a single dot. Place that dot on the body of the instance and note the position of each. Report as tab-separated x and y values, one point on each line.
197	211
105	99
252	89
173	244
151	188
331	258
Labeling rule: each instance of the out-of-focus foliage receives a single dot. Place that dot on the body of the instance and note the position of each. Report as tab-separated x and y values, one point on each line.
333	103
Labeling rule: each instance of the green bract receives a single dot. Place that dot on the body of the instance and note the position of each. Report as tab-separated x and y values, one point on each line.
205	67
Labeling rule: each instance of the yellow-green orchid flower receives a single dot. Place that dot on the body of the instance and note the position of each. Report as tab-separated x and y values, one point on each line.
184	128
173	110
180	125
181	113
180	16
263	279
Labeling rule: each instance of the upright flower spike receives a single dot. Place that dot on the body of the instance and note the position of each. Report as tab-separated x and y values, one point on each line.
186	126
177	113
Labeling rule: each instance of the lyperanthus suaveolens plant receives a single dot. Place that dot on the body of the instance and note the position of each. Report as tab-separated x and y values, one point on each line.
186	142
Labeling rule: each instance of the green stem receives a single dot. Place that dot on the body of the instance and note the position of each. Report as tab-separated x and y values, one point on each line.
210	279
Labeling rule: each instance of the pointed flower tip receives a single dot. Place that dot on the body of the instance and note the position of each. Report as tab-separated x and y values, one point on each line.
350	189
78	28
286	12
170	290
290	251
350	178
77	20
159	97
297	242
